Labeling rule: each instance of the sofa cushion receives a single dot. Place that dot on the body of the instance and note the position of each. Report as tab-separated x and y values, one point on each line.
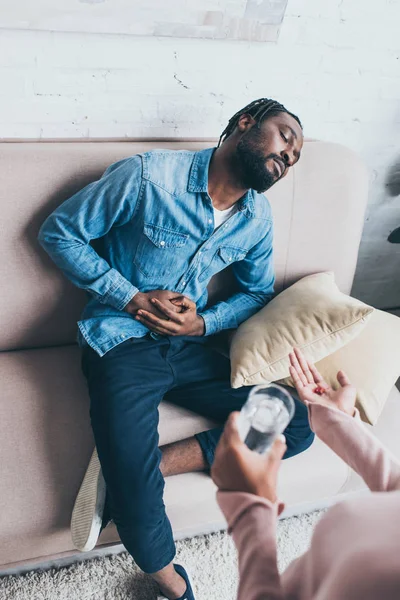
312	314
371	361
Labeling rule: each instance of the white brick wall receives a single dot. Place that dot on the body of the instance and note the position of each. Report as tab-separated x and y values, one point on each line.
337	64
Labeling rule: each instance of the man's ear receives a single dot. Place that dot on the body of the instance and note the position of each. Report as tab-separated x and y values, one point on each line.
245	122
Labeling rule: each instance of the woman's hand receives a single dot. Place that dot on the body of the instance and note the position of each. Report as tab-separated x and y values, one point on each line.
311	387
236	468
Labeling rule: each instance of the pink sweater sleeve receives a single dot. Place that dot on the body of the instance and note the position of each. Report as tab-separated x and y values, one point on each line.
252	523
351	440
252	520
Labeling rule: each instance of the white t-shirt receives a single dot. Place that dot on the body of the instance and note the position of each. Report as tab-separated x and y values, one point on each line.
220	216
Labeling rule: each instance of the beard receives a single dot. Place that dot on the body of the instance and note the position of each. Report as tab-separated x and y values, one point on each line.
254	173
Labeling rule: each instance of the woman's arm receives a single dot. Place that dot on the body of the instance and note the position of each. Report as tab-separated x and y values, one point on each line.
350	440
247	497
247	481
336	422
252	524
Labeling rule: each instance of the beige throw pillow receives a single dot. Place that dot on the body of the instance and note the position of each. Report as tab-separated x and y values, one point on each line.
371	361
312	314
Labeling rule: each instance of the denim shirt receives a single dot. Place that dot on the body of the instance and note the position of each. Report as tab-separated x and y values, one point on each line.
155	219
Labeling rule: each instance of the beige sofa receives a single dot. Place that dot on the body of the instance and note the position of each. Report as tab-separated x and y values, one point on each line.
45	436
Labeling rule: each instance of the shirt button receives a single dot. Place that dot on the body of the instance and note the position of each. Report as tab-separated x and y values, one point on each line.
210	221
230	259
183	283
162	243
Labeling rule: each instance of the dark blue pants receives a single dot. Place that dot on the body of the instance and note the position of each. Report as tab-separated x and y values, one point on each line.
126	386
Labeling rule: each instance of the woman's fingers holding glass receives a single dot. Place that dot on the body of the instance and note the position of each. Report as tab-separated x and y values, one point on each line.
277	450
237	468
231	431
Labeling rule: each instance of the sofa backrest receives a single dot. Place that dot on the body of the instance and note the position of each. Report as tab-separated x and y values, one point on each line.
318	210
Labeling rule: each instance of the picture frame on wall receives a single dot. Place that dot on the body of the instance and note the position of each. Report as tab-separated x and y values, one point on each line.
251	20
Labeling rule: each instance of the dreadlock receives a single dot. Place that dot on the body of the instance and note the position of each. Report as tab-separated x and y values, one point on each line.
258	109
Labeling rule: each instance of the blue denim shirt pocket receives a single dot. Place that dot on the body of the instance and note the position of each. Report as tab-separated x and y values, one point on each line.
156	254
222	258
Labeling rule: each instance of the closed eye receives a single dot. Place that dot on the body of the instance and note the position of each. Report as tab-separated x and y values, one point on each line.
284	137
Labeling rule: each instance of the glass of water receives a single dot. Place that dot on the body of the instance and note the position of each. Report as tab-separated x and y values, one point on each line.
265	415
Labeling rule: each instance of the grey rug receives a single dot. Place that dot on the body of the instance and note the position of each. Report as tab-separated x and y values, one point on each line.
211	561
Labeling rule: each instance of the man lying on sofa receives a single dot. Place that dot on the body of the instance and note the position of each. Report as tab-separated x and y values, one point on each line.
169	221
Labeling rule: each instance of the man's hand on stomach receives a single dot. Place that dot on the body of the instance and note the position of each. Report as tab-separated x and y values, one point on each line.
179	316
142	301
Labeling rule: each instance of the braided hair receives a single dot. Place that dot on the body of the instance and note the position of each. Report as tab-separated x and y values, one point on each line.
258	109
